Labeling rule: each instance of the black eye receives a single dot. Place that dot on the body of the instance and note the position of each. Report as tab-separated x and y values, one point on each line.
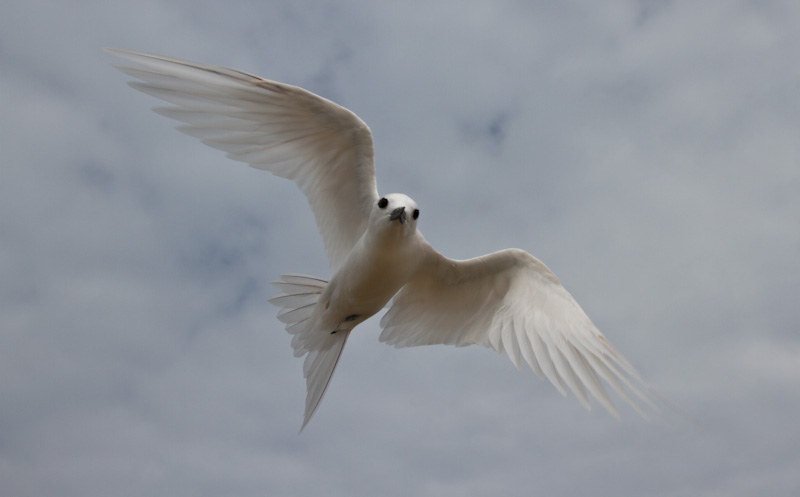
416	213
382	203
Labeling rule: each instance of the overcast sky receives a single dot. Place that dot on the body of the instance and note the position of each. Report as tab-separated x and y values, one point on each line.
647	151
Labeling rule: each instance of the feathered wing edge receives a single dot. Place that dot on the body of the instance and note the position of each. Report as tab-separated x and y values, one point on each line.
512	302
299	294
321	146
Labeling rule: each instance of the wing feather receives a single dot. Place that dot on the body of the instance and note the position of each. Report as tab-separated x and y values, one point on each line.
512	302
323	147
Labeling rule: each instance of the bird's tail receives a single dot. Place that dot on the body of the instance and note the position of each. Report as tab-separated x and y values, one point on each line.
299	295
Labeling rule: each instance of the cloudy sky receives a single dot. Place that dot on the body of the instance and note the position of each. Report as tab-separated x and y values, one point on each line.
647	151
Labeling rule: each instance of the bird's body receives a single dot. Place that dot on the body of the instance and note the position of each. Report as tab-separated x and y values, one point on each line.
507	300
381	262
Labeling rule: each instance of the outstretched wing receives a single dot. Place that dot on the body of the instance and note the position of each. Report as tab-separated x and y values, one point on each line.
512	302
321	146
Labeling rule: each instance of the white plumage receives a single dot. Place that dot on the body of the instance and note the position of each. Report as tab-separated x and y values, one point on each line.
508	300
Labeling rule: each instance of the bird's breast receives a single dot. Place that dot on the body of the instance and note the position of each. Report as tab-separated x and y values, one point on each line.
370	277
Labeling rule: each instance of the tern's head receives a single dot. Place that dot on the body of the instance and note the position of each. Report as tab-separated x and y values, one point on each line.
398	209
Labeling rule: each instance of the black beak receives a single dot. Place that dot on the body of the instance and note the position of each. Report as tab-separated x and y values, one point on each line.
399	213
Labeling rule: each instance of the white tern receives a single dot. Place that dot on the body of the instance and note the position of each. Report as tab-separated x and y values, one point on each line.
507	300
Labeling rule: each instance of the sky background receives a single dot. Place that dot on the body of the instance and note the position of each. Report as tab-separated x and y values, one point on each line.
647	151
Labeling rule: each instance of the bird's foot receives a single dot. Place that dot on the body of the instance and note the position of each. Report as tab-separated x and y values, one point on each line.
348	319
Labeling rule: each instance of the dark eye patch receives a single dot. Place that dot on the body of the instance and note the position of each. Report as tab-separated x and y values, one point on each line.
382	203
416	213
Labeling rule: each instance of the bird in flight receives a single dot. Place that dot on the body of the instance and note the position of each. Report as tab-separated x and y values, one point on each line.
507	300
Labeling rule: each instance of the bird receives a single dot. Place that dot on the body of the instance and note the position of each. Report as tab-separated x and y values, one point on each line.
506	300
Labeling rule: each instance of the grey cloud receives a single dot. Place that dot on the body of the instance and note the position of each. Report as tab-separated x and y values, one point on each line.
647	152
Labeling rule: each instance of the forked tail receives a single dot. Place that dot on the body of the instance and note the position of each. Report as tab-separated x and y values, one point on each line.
299	295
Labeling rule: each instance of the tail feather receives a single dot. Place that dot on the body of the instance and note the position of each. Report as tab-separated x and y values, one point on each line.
299	294
318	369
291	316
296	300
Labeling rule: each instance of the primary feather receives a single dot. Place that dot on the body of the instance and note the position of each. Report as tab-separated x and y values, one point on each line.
323	147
